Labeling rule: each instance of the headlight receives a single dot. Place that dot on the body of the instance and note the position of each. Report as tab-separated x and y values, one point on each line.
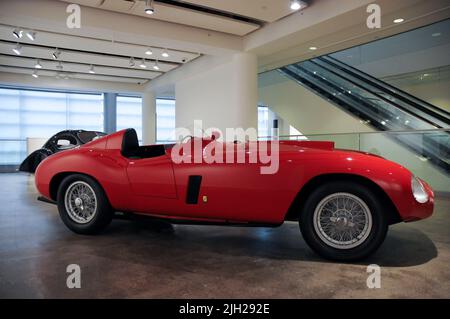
418	190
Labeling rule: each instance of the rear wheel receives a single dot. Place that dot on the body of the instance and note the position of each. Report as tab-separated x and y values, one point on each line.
83	205
343	221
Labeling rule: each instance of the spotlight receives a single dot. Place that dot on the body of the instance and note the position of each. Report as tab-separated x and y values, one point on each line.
38	65
149	7
56	54
399	20
17	33
143	65
156	67
34	74
165	54
17	49
91	70
313	48
131	62
296	5
31	35
149	51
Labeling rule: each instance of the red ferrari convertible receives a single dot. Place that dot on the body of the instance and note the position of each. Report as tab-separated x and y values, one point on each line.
343	200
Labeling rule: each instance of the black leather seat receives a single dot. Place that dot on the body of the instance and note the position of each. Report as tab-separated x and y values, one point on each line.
130	144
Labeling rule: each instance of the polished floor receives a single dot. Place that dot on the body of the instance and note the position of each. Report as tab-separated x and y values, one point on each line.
157	260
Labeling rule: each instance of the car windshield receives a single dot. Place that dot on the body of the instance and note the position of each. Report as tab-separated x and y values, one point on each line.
88	136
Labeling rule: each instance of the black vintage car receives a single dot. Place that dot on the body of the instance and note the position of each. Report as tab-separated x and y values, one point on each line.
59	142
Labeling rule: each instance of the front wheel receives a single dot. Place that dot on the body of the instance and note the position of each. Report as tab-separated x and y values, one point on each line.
343	221
83	205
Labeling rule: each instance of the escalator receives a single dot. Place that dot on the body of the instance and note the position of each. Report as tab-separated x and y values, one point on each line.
380	105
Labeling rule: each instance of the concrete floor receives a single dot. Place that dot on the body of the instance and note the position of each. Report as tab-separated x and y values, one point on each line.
155	260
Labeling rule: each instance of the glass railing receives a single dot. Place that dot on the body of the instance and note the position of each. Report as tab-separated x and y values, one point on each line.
426	153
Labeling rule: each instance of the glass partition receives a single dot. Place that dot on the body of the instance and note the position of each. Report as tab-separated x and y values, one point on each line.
425	147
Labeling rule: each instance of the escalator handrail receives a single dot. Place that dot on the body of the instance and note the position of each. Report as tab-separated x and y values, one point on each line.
356	83
400	94
367	107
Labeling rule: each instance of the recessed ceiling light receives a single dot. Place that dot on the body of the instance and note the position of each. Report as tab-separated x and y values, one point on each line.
56	54
17	49
91	69
149	51
149	7
295	5
156	67
131	62
34	74
31	35
38	65
313	48
143	65
17	33
399	20
436	34
165	54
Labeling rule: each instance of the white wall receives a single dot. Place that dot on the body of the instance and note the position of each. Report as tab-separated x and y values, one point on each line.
434	92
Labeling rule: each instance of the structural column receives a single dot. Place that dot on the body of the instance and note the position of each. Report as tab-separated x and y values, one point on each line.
245	89
148	118
222	93
110	112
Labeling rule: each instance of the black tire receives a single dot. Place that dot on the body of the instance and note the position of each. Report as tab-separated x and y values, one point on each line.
102	215
375	236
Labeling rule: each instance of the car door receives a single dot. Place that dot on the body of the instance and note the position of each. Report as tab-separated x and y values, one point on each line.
231	191
152	177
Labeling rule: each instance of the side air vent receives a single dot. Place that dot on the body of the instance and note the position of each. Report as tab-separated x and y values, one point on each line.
193	189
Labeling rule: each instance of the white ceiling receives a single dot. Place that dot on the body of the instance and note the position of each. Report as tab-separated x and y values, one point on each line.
264	10
237	17
114	31
108	58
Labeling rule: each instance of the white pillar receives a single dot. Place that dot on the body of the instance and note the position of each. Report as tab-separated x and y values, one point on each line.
245	87
223	94
148	118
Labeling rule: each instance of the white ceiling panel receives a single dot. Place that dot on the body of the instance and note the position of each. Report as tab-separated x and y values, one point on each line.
75	68
175	14
8	69
100	46
264	10
80	57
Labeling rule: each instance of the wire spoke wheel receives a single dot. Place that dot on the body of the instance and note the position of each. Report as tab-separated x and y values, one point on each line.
342	220
80	202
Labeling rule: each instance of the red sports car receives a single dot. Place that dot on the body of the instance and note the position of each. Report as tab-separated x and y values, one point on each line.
343	200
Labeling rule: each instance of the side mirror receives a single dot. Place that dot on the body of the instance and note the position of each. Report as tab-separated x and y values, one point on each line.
215	135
